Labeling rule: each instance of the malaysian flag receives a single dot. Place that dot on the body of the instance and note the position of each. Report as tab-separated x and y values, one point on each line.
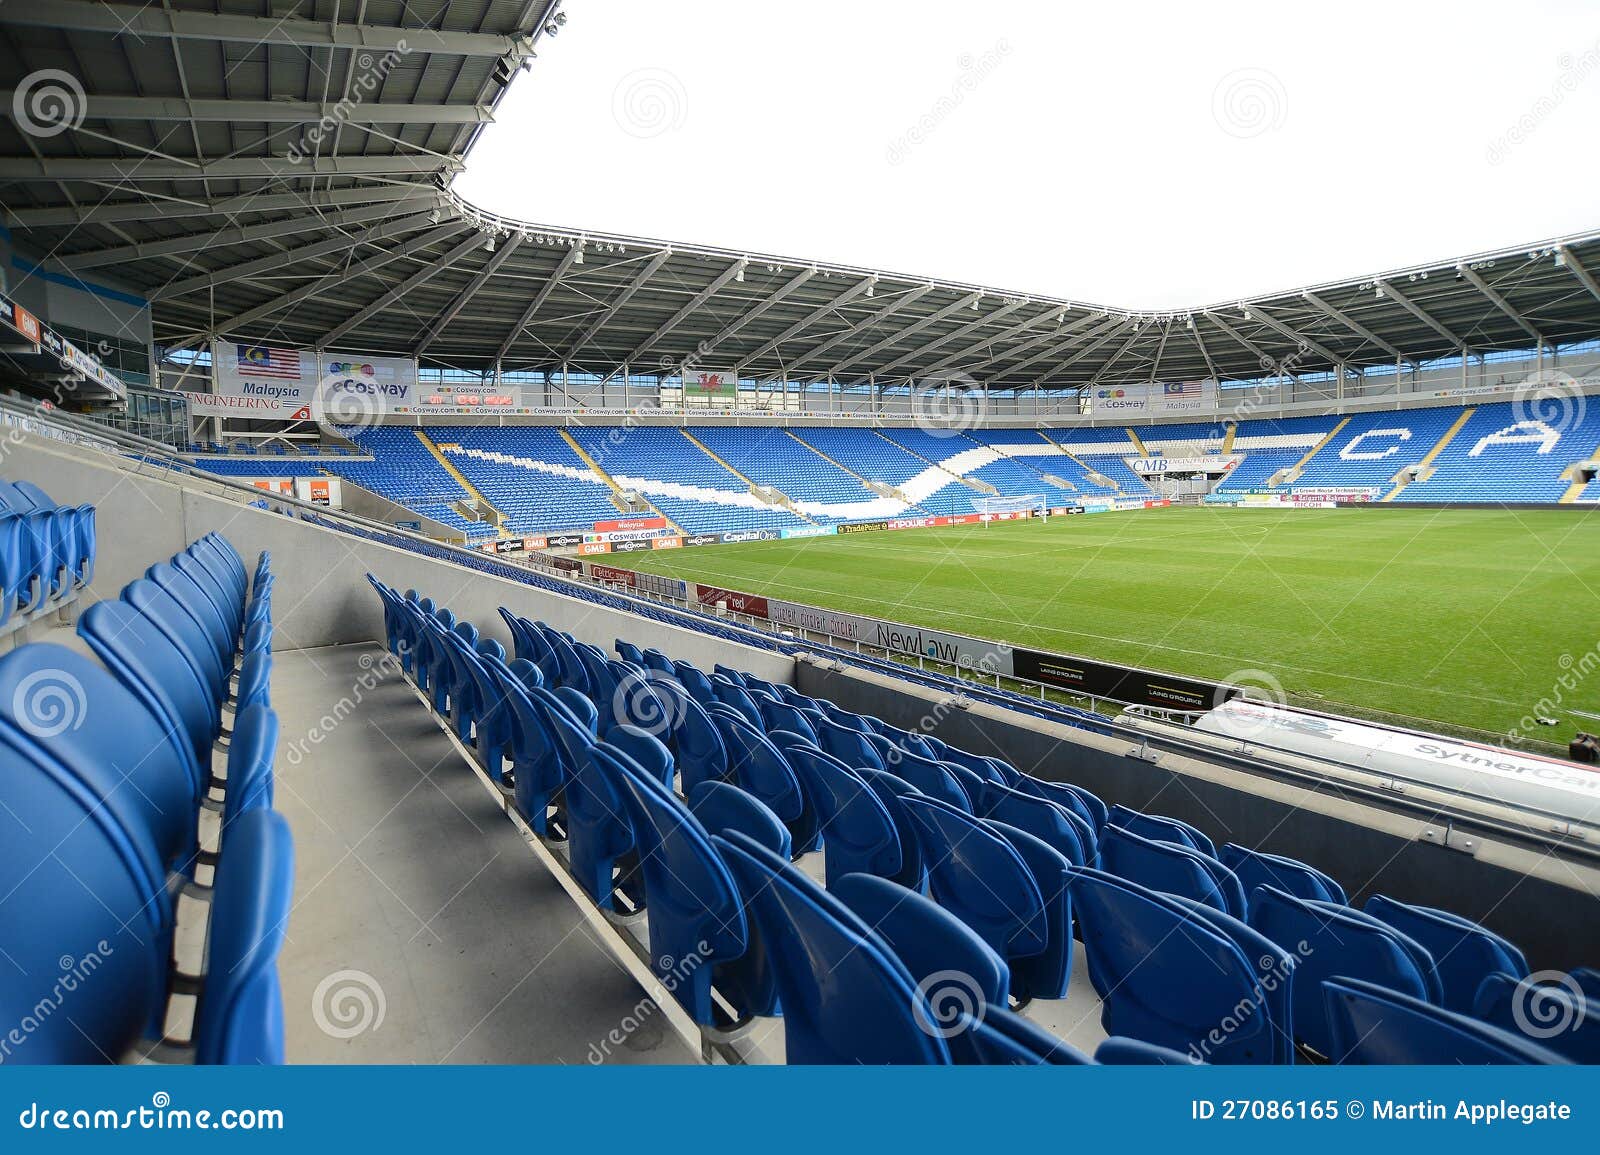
260	361
1182	388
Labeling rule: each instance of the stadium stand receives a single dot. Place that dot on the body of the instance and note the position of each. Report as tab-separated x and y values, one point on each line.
125	787
1007	864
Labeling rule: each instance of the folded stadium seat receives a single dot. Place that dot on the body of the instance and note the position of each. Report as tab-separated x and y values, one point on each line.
204	613
759	763
59	705
492	731
572	672
1052	824
1046	974
1121	1052
934	945
1171	868
1256	868
696	912
892	792
1161	828
1171	972
1464	953
777	715
76	872
1085	805
156	672
529	644
858	834
654	659
1552	1015
846	997
1371	1024
251	752
974	786
722	808
1330	941
174	622
698	746
599	829
934	779
538	769
694	681
732	694
239	1018
977	875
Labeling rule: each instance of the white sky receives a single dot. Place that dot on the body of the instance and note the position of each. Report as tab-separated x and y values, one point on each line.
1147	155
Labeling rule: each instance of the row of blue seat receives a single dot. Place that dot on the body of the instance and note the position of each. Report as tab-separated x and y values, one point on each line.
46	553
910	810
104	827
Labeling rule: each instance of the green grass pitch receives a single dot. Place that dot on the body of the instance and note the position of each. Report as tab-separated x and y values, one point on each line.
1459	619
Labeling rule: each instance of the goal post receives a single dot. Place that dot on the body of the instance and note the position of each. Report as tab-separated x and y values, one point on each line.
1031	504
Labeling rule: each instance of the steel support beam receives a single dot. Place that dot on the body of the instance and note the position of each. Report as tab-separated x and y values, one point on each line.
278	261
1570	259
134	169
1354	326
910	330
883	314
147	22
1279	327
163	108
1499	302
955	334
539	298
416	280
453	309
807	321
990	341
652	267
1406	303
766	303
253	202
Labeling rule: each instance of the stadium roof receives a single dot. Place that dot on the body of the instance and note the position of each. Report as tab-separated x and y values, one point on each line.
286	178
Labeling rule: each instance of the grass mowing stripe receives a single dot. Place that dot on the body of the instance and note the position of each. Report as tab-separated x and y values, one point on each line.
1457	618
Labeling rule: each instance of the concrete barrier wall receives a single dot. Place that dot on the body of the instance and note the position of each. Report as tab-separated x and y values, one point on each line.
1546	902
322	596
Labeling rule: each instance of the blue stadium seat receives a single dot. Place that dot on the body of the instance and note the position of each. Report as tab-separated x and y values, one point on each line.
1172	868
858	834
846	997
994	1036
1551	1015
1255	868
239	1019
1464	953
1161	829
1372	1024
1331	941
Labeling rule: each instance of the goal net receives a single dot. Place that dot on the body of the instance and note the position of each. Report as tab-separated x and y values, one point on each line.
1029	503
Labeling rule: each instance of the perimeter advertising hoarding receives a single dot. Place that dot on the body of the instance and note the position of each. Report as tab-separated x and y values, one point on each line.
807	531
612	575
739	535
625	524
863	526
1123	683
738	603
950	649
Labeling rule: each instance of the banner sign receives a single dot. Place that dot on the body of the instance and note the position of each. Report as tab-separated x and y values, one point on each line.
717	383
264	372
511	545
365	386
630	523
703	539
673	542
590	548
562	540
808	531
1107	680
265	408
1152	400
861	526
1213	463
737	602
630	545
20	319
612	575
739	535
